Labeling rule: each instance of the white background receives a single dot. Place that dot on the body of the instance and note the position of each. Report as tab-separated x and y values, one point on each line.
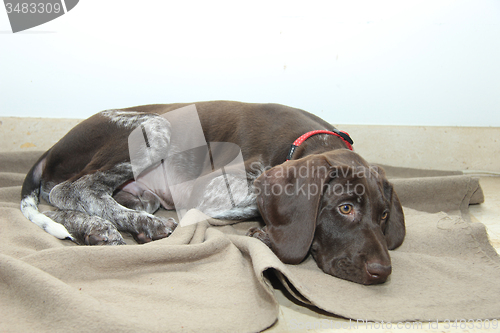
351	62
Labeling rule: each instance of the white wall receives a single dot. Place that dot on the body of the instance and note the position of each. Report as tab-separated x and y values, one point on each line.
359	62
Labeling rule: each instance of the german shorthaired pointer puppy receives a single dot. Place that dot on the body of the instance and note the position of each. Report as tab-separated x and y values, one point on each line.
315	196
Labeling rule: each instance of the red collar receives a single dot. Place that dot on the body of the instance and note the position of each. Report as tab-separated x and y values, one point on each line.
341	134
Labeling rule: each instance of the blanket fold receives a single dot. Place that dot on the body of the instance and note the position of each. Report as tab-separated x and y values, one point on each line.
209	277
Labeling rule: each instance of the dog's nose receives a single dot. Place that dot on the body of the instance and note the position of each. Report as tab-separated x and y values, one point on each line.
377	272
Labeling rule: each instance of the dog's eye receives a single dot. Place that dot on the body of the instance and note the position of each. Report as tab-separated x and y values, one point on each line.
345	209
384	215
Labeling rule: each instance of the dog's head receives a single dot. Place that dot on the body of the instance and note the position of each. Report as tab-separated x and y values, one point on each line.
338	208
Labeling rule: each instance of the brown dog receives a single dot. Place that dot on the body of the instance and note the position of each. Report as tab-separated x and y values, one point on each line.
325	200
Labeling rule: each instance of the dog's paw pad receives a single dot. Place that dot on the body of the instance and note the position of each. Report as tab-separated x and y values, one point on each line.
260	234
141	238
149	228
170	224
168	228
103	233
254	231
96	239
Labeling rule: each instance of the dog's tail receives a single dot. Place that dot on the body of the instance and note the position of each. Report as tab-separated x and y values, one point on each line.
30	197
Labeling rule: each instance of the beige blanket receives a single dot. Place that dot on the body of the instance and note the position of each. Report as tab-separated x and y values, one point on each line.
211	278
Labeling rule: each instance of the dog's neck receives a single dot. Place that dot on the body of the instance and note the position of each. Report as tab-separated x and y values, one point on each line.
318	144
343	136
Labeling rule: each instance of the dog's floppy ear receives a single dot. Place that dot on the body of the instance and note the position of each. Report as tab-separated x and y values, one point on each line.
395	226
288	197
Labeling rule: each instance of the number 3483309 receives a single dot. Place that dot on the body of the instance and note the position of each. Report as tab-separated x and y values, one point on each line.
33	8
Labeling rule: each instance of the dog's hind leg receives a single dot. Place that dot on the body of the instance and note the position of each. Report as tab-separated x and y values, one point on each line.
92	194
87	229
147	201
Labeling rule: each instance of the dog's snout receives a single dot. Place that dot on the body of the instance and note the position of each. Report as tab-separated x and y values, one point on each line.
377	272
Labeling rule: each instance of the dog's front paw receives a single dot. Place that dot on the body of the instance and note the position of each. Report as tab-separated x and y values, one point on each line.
260	234
150	228
101	232
100	239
